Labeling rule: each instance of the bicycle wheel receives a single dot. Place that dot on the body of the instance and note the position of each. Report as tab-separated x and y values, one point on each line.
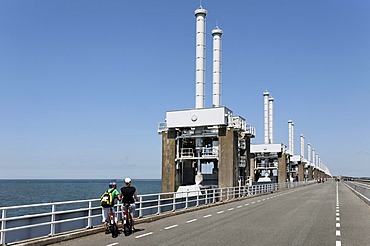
127	225
114	230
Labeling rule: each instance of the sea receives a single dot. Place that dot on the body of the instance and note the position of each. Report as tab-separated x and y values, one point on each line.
14	192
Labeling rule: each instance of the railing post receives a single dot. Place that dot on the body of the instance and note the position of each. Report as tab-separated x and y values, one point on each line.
214	195
227	193
186	200
52	225
197	198
173	201
159	204
89	223
140	207
206	201
3	226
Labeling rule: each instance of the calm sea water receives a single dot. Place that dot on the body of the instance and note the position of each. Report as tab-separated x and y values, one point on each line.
24	192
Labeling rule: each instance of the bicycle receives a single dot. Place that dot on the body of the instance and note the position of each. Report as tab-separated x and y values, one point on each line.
112	224
127	220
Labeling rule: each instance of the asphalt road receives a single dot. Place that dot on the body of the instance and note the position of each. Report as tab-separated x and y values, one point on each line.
319	214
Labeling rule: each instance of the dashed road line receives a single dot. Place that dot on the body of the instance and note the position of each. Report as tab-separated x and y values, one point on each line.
112	244
170	227
189	221
338	242
220	212
231	209
144	235
239	206
206	216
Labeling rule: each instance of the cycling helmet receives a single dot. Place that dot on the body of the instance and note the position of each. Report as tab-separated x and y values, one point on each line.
127	180
111	184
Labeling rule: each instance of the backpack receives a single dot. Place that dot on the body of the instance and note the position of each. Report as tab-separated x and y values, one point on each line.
106	199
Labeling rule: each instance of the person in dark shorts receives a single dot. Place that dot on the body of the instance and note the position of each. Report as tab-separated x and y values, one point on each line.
128	195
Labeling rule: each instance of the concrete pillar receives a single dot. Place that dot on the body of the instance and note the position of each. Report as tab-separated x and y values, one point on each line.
251	169
301	171
315	174
310	173
228	164
282	168
168	161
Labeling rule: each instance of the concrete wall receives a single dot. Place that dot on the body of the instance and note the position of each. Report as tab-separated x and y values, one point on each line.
168	162
228	142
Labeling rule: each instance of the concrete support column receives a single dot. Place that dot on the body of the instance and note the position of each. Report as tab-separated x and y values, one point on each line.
310	173
228	164
251	169
316	174
168	161
301	172
282	168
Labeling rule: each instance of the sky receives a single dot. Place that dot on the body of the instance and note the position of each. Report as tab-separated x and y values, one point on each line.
84	83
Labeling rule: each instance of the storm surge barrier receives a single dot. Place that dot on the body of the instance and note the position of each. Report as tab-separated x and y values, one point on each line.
47	220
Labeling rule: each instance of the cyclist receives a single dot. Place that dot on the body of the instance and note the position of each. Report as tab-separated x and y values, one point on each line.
105	210
128	195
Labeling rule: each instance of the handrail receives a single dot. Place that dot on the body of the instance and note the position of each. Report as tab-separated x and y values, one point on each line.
149	204
361	189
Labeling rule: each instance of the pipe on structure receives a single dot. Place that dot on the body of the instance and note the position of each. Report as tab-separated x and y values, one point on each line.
266	95
200	62
302	146
309	151
290	137
271	120
216	34
313	157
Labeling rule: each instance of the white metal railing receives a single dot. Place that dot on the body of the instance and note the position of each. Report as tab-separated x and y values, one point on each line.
209	151
186	152
362	189
267	165
148	205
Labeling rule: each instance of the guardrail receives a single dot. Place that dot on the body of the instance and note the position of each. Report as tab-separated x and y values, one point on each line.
19	223
361	189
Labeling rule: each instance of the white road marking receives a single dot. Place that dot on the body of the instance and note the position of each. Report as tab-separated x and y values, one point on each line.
144	235
337	210
220	212
338	243
263	199
239	206
337	225
206	216
253	202
189	221
170	227
337	233
337	214
112	244
259	201
231	209
338	219
247	204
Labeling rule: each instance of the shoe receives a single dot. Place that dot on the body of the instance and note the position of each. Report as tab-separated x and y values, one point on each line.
107	232
133	229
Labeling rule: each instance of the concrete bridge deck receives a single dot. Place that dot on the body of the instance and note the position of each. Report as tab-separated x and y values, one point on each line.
320	214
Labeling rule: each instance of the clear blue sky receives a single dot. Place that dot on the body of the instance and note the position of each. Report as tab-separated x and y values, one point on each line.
84	83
